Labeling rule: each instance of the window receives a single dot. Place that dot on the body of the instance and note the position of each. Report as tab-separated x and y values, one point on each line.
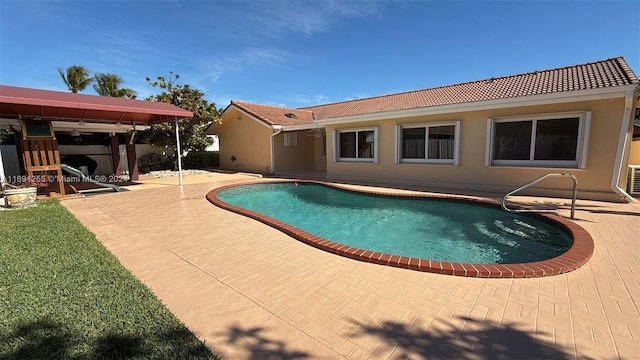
553	140
428	143
37	128
291	139
356	145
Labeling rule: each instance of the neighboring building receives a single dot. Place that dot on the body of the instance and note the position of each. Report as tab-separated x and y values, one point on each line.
491	135
215	146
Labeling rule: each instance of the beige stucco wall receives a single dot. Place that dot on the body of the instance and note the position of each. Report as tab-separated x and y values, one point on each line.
246	140
594	181
294	158
320	153
635	153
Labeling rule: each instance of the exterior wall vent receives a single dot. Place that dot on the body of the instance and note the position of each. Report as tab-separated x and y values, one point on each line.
634	179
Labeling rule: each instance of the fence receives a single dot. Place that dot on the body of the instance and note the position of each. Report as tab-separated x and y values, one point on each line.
100	153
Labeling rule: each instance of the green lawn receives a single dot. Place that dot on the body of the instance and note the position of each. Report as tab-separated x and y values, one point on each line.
64	296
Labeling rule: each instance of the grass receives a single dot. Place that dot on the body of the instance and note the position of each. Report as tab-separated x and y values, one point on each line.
64	296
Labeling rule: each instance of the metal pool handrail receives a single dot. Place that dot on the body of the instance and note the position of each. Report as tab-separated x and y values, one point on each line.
535	181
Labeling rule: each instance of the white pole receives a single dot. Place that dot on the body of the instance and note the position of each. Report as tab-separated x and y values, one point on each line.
179	153
2	176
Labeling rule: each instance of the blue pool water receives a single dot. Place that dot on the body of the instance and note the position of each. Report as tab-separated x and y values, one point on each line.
426	228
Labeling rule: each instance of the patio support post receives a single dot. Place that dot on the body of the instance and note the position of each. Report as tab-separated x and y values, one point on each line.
18	137
115	155
179	152
132	158
2	177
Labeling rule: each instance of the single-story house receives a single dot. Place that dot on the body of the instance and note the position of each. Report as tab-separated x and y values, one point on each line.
490	135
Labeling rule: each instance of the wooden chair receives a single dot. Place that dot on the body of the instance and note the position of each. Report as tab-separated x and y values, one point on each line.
41	157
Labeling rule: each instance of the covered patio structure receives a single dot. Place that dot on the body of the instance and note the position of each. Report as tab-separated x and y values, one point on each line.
34	115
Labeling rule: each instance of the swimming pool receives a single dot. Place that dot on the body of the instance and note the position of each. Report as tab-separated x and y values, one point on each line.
445	235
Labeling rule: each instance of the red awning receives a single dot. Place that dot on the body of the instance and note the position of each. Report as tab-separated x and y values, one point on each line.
16	102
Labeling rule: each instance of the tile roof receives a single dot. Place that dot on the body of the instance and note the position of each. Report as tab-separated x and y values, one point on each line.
275	115
594	75
600	74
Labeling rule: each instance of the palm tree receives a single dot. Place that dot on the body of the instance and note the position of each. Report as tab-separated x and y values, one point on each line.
108	85
127	93
76	78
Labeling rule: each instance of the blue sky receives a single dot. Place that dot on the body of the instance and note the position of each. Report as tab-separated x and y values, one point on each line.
303	53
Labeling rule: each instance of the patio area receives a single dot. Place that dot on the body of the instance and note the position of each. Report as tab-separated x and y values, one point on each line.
251	292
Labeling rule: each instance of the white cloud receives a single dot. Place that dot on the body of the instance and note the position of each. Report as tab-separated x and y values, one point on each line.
278	17
213	69
117	50
359	96
301	100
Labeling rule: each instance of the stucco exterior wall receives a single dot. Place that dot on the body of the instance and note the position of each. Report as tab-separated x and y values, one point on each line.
247	141
320	153
294	158
635	153
471	173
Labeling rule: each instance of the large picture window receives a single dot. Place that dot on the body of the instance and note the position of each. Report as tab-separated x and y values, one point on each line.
548	141
356	145
428	143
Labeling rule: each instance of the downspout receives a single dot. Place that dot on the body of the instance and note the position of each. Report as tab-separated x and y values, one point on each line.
622	144
179	153
277	130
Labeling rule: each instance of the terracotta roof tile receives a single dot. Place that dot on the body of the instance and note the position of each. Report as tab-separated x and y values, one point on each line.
594	75
275	115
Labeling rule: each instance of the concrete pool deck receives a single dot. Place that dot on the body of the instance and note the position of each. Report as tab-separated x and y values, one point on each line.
251	292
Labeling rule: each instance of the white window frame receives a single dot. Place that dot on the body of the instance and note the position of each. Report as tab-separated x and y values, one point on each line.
456	145
582	146
336	145
291	139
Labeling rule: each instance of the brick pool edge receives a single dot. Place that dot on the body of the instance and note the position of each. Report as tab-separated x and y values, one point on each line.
578	254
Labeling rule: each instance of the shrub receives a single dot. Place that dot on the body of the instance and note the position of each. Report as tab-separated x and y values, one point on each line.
201	160
154	162
7	137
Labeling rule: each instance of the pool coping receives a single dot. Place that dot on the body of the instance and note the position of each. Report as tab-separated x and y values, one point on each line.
578	254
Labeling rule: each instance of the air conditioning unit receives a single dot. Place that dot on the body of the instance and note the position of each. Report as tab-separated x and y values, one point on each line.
634	179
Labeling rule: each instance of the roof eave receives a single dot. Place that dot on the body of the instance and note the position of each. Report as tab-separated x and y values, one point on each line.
245	113
313	125
544	99
210	130
181	113
89	127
